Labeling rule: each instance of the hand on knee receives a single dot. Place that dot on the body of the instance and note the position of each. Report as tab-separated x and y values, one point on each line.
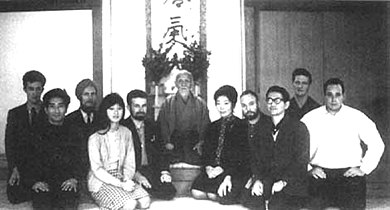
212	196
144	203
197	194
130	205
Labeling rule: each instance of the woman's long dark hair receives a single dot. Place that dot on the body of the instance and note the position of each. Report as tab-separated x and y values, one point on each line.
110	100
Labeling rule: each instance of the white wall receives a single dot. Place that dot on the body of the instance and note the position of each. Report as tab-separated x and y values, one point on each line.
224	40
59	44
124	46
56	43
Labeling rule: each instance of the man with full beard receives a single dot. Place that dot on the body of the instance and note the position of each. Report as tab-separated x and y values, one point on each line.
256	121
83	122
152	166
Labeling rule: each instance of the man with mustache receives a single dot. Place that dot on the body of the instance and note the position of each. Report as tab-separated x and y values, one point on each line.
256	122
22	123
152	168
301	103
83	123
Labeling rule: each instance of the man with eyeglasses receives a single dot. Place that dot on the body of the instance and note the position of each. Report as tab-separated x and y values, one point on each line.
280	157
338	164
301	103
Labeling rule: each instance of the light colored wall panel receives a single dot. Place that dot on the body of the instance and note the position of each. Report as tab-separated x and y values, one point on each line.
289	40
57	43
224	40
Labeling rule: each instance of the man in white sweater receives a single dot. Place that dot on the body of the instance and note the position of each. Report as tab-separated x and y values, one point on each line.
338	163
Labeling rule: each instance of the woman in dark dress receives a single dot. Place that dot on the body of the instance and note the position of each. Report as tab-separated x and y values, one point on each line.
225	154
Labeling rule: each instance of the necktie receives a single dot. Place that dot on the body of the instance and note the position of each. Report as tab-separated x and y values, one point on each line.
89	120
33	115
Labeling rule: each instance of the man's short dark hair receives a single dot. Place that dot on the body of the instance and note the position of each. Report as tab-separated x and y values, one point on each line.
33	76
250	92
334	81
281	90
301	71
136	94
56	93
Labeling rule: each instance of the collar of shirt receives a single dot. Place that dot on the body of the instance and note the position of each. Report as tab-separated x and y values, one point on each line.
275	128
37	108
138	124
85	116
326	112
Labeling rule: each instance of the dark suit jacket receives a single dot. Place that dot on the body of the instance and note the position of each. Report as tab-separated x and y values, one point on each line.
235	155
284	159
294	110
18	135
82	131
55	155
156	158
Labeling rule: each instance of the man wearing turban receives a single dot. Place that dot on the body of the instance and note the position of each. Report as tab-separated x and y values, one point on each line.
83	122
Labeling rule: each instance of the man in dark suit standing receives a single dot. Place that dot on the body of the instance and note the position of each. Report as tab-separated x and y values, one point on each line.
20	128
83	122
152	166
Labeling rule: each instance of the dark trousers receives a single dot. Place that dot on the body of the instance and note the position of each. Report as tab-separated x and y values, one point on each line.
184	142
284	201
252	202
159	190
55	198
278	201
22	192
205	184
338	191
18	193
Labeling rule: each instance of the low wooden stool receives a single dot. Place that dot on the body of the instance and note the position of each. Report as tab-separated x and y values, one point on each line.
183	175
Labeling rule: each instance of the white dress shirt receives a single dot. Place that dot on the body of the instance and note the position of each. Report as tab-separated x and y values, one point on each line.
335	139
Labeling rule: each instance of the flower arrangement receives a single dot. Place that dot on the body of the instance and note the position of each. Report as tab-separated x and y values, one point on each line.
196	60
157	64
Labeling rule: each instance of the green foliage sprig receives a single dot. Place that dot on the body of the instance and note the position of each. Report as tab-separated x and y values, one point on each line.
196	60
157	64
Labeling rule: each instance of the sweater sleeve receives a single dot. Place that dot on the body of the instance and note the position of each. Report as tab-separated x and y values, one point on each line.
129	159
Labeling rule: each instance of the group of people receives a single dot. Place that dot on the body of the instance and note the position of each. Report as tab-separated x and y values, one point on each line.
54	158
298	155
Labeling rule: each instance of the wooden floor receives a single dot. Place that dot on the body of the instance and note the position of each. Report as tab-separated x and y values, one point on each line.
378	197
